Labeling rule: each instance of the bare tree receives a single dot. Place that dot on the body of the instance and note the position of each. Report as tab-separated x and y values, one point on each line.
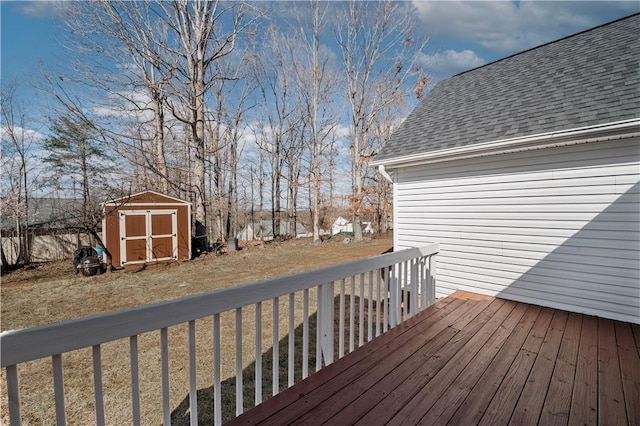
316	80
130	37
167	50
18	144
79	155
279	112
225	129
206	32
378	52
236	128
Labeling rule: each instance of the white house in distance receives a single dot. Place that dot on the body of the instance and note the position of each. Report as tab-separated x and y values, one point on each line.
527	172
263	230
343	225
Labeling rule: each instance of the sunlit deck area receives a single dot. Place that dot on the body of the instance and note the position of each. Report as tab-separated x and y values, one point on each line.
472	359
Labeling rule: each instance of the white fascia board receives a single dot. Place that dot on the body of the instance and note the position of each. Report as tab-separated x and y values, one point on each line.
618	130
123	200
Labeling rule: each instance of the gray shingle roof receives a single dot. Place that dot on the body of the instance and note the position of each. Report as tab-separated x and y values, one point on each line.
586	79
47	212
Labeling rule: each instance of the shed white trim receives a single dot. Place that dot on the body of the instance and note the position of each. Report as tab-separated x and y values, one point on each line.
146	205
120	200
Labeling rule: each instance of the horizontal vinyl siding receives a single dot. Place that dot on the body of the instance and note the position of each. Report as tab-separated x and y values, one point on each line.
557	227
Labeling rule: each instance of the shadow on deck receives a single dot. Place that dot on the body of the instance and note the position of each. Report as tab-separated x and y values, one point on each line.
472	359
205	397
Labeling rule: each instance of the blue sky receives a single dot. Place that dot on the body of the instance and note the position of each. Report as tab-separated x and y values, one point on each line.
462	35
466	34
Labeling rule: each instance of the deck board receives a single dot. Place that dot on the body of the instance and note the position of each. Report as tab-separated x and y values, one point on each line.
393	406
356	366
611	410
558	400
584	401
629	361
473	407
531	399
473	359
501	407
351	366
454	395
636	335
430	357
428	395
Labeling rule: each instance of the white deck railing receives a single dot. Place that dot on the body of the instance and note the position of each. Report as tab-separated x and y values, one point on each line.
384	281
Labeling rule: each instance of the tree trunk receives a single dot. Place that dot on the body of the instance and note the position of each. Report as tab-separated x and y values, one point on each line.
199	189
277	192
199	167
5	261
162	180
357	190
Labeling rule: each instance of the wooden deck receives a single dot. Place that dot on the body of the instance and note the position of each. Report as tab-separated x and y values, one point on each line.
473	359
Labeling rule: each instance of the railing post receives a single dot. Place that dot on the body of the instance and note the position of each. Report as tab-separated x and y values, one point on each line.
13	390
395	295
431	280
413	271
58	389
326	322
414	293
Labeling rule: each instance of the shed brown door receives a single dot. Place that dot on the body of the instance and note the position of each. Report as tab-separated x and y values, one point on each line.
135	238
148	236
162	235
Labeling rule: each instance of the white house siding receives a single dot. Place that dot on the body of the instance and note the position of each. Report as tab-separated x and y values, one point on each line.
556	227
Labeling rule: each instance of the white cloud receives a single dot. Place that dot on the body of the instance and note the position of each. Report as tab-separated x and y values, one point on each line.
509	26
125	104
27	136
342	131
41	9
451	62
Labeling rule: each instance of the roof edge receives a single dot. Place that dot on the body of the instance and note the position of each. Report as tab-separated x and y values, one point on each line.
620	129
126	199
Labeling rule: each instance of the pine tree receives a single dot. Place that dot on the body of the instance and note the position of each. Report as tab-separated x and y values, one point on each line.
75	155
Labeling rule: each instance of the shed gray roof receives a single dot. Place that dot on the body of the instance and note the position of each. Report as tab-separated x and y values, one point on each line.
586	79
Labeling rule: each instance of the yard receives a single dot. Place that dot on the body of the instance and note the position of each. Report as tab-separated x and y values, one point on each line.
52	293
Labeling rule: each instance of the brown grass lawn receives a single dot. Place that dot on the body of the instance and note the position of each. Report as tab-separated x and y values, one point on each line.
52	293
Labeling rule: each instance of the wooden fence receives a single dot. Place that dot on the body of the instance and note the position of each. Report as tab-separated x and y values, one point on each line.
46	246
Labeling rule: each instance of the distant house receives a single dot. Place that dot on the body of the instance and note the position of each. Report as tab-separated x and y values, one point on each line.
47	213
52	225
343	225
263	230
527	172
367	228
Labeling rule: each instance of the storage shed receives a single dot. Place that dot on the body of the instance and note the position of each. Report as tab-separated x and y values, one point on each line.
147	227
527	172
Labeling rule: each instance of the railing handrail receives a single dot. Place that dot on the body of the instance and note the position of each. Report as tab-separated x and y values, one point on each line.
38	342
